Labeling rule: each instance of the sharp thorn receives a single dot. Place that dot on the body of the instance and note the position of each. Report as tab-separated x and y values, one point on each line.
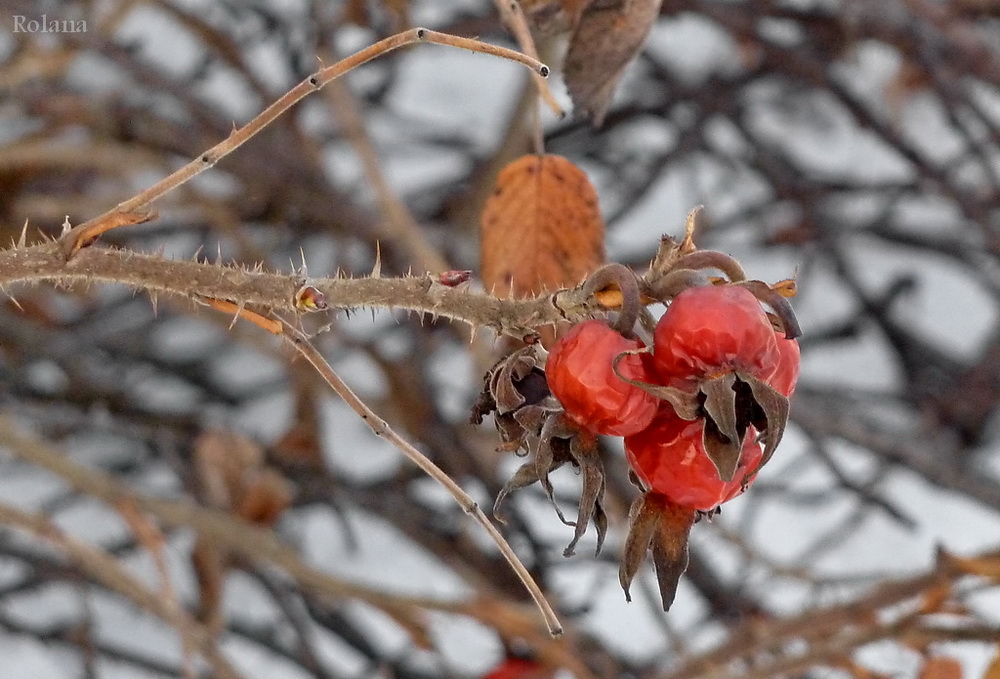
236	316
377	267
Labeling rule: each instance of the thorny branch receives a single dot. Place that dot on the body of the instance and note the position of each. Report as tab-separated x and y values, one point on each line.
276	292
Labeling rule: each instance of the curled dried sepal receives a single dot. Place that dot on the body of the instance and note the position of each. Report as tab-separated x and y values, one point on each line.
777	300
515	390
733	403
724	430
685	403
689	271
585	455
561	442
622	277
530	420
656	524
669	250
769	415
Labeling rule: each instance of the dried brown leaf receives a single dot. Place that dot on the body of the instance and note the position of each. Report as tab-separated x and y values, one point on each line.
553	16
232	476
541	229
607	38
301	444
941	667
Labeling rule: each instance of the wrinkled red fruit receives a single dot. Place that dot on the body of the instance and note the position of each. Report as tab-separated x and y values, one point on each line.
670	458
710	330
580	374
786	373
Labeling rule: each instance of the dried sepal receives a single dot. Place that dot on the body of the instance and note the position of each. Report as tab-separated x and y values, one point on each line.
685	403
510	384
724	430
656	524
669	250
516	392
778	302
642	524
525	475
769	414
670	549
731	405
531	421
624	279
585	455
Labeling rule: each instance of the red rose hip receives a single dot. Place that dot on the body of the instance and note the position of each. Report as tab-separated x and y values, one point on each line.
710	330
669	457
580	374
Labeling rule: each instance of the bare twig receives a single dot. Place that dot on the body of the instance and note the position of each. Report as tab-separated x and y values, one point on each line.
513	16
106	570
382	429
77	237
229	532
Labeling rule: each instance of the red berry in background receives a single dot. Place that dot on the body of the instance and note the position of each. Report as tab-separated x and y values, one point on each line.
580	374
710	330
669	456
516	668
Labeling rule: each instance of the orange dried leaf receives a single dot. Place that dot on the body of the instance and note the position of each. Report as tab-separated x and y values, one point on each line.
541	229
607	38
941	667
993	671
935	599
302	443
983	566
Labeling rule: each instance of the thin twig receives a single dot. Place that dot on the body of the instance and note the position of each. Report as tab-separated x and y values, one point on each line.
106	570
513	16
229	532
382	429
76	238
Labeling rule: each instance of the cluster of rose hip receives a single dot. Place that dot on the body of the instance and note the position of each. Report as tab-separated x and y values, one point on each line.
607	384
